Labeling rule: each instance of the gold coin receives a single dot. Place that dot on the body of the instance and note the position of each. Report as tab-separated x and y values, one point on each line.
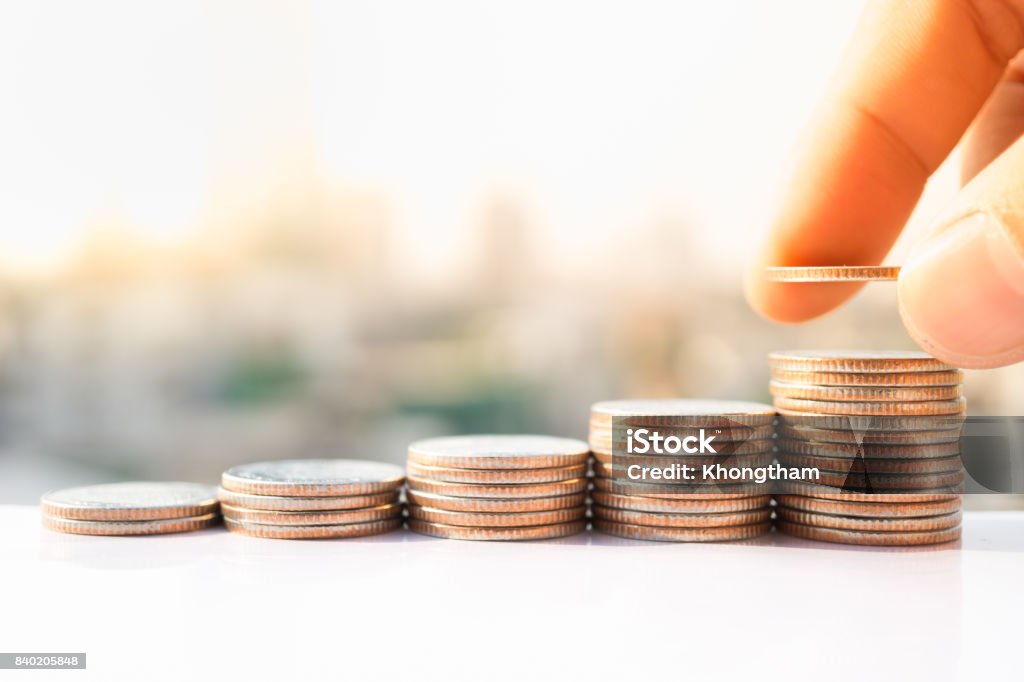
282	503
834	273
931	407
315	518
661	534
871	509
890	482
877	379
850	450
682	506
497	476
685	412
873	466
863	394
499	452
130	501
496	520
314	532
313	477
150	527
862	537
670	491
570	487
491	505
836	493
919	524
845	437
440	530
856	361
676	520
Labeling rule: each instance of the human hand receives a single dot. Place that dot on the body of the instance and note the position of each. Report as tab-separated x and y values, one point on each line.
916	76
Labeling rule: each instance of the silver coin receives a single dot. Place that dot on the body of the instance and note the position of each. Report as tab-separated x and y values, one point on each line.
499	451
131	501
682	408
341	530
313	477
293	503
857	361
496	476
835	273
145	527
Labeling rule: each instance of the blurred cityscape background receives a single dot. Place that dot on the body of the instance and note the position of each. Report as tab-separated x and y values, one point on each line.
233	231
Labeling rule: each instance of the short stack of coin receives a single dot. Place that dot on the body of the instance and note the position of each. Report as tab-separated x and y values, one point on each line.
883	430
312	498
131	508
697	511
497	487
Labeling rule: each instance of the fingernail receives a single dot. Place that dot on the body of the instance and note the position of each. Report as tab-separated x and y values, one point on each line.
962	294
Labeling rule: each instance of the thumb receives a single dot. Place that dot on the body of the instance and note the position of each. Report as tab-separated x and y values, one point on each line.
961	291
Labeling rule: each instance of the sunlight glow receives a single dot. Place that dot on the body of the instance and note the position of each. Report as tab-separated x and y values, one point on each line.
598	116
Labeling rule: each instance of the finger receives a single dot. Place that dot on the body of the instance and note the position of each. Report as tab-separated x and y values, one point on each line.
914	77
962	291
998	125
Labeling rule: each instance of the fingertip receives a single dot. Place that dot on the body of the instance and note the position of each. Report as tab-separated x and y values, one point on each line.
961	295
793	302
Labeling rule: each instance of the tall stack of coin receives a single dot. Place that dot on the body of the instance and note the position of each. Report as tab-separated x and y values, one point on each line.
883	430
700	509
312	498
131	508
504	487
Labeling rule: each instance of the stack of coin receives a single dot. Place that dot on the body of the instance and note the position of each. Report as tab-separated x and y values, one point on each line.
516	487
131	508
700	509
882	428
312	498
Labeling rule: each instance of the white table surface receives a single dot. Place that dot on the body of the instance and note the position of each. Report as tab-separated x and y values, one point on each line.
213	604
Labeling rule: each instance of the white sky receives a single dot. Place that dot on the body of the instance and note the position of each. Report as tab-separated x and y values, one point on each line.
600	115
